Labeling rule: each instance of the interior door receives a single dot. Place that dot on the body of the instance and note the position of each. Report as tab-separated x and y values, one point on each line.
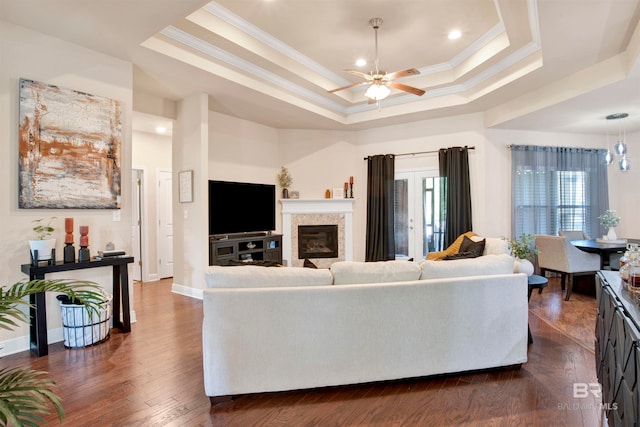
136	223
165	225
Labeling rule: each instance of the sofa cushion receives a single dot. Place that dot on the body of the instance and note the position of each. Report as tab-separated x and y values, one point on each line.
354	272
493	245
480	266
251	276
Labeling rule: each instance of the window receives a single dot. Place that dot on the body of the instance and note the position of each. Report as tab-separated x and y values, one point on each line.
555	188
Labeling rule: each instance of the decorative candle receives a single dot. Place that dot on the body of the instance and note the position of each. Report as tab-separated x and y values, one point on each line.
68	229
84	235
346	186
351	180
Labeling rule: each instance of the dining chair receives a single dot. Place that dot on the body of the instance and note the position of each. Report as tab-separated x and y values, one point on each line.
574	234
557	254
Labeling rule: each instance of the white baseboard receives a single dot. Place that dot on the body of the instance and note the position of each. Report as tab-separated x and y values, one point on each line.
186	291
22	343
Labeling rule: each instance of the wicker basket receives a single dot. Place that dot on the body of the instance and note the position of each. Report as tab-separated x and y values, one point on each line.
82	327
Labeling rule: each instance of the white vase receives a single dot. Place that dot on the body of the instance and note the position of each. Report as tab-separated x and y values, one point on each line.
611	234
43	247
523	266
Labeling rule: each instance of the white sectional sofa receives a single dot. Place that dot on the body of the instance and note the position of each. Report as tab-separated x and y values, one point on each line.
284	328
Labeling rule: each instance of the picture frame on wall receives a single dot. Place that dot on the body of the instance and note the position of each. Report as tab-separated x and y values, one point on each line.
185	179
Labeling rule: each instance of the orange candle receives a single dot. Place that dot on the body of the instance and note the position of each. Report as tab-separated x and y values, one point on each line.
84	235
68	228
346	186
351	180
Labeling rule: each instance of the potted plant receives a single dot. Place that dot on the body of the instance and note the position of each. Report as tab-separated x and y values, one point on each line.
285	181
25	394
610	220
524	250
43	243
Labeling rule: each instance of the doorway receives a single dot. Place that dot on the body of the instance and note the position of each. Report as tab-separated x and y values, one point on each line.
418	229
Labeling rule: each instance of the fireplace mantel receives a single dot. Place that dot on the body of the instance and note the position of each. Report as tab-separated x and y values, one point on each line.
291	207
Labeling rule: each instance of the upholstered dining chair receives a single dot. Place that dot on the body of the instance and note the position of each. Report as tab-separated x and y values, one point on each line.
558	255
574	234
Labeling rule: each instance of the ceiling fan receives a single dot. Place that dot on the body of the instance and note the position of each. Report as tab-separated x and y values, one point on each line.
380	81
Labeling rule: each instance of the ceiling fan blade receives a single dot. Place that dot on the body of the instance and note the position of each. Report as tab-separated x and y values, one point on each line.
410	89
359	74
348	87
403	73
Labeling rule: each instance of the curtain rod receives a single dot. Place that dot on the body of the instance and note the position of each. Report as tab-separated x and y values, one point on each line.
423	152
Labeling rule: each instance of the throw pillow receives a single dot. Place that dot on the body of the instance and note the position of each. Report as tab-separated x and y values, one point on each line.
469	245
309	264
461	255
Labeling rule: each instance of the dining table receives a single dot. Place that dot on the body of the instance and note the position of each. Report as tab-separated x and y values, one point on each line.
603	248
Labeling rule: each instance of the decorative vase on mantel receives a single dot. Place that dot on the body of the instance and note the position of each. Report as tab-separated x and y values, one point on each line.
611	234
285	193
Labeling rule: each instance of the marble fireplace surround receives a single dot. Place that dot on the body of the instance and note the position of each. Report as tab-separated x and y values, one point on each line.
297	212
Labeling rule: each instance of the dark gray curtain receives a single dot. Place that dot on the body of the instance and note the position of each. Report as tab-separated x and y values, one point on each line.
454	169
557	188
380	243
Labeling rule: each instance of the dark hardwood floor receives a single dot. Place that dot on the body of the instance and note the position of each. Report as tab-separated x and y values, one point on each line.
153	377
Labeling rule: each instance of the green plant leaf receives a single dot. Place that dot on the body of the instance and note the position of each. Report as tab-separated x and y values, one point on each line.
26	394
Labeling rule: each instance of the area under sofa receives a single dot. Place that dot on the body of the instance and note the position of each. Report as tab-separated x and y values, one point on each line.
275	329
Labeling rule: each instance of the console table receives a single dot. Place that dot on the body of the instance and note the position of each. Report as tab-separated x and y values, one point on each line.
38	311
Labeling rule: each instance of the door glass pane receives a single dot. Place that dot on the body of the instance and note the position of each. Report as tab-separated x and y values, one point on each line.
401	221
433	228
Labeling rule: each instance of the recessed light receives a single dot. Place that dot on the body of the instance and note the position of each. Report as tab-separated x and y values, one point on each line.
361	62
455	34
161	129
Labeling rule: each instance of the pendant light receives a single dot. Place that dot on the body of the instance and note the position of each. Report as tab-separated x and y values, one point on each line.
608	157
620	148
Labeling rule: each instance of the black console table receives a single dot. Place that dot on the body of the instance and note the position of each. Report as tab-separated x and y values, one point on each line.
38	311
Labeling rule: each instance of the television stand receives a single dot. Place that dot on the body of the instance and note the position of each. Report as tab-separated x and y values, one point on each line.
246	247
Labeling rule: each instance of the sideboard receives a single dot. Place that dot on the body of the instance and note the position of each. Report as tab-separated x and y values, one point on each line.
617	349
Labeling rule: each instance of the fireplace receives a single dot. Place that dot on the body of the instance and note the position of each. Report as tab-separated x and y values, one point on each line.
317	241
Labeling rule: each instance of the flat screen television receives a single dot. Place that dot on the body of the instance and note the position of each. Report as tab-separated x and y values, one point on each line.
241	207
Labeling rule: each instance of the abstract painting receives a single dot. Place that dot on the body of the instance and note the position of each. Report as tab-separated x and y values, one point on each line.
69	149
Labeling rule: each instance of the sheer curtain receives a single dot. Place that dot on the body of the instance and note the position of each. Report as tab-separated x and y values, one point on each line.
456	190
557	188
380	239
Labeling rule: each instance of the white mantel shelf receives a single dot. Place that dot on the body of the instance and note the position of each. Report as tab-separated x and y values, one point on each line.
316	206
303	206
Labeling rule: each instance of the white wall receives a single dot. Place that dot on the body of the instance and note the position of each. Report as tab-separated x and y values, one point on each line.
624	195
320	160
35	56
151	153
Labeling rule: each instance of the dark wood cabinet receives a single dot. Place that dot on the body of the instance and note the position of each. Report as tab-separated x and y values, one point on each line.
617	350
245	247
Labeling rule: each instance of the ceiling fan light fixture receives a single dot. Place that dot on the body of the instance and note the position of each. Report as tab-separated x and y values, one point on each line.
377	92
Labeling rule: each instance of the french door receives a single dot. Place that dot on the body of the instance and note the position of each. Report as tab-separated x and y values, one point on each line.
418	227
